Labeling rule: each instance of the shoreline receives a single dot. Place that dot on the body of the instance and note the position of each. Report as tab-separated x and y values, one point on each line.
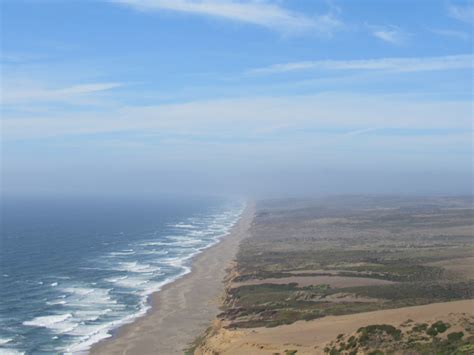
184	308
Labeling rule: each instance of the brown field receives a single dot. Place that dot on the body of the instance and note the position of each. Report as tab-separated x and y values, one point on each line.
312	270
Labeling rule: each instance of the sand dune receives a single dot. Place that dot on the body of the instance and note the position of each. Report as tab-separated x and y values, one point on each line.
310	337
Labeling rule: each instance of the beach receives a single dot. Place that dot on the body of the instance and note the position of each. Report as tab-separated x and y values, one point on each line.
184	309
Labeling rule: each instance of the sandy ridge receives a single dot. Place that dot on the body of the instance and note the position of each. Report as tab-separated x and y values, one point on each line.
310	337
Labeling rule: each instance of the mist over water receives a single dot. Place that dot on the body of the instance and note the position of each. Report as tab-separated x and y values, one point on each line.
72	270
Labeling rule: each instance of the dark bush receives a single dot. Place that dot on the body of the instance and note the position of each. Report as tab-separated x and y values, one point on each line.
455	336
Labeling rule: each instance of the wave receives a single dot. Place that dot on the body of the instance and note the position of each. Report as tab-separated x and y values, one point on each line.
182	225
134	266
58	323
95	333
87	312
122	253
91	315
130	282
84	297
10	352
4	341
55	302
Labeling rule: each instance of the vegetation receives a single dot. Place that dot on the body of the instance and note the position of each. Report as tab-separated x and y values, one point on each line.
437	328
391	239
388	339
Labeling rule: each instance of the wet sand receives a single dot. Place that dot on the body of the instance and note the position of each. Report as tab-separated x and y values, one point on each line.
184	309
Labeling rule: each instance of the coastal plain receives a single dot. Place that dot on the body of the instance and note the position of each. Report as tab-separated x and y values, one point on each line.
351	275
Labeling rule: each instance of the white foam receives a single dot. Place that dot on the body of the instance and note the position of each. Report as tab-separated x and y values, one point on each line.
99	332
82	297
59	323
10	352
115	279
90	315
184	226
152	244
79	290
134	266
54	284
46	321
198	233
55	302
5	340
184	241
173	261
155	252
132	282
121	253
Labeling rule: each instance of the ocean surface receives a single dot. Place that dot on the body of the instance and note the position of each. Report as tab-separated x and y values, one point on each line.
72	270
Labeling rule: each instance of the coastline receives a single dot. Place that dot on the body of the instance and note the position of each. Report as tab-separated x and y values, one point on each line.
182	310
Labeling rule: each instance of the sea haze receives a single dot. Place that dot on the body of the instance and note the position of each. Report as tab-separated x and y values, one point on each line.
72	270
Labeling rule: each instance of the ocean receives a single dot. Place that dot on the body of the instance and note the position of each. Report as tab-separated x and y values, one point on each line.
71	270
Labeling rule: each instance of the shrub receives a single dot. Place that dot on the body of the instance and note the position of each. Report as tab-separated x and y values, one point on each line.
432	332
378	329
420	327
455	336
440	326
437	327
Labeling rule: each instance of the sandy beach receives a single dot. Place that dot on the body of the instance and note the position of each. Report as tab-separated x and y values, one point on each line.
184	309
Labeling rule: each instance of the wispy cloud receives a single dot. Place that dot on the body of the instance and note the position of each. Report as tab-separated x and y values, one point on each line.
464	61
257	12
464	13
451	33
250	117
18	58
391	34
358	132
27	92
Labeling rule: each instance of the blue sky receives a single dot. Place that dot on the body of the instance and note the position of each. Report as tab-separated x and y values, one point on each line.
245	96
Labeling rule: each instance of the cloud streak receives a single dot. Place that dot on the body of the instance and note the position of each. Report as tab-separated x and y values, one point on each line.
464	13
260	13
18	93
413	64
451	33
392	34
250	117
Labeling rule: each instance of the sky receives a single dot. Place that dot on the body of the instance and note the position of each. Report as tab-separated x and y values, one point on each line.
248	97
